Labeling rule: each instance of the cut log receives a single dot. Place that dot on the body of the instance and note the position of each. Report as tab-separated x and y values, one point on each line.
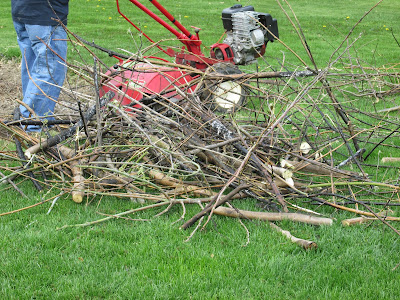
355	221
390	159
77	175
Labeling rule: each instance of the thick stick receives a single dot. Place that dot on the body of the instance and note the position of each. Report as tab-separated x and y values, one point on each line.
267	216
355	221
77	173
390	159
166	180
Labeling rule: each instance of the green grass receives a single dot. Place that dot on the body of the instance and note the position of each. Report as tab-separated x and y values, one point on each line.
121	259
125	259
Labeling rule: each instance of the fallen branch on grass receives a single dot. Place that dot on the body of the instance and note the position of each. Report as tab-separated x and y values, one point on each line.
305	244
357	221
267	216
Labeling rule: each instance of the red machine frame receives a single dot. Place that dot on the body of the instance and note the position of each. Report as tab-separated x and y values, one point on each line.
133	81
193	56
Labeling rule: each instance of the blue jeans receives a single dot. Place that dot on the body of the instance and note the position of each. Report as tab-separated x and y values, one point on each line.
42	71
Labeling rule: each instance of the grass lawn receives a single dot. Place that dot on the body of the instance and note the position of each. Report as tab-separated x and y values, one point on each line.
122	259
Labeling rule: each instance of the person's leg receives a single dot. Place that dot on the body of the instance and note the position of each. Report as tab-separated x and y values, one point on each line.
47	72
28	57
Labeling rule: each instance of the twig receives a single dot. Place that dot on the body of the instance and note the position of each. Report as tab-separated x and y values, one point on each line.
305	244
13	185
52	204
28	207
120	217
115	216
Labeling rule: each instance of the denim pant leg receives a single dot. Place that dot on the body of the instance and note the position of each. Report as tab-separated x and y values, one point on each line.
43	72
27	54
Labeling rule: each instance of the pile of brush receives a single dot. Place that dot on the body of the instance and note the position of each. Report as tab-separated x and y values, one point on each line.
295	140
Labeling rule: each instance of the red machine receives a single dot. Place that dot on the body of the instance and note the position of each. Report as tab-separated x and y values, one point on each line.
247	34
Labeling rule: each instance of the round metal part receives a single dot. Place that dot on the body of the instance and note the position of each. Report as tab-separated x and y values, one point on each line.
223	95
228	95
257	38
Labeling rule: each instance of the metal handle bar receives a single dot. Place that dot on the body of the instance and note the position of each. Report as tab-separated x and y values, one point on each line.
191	42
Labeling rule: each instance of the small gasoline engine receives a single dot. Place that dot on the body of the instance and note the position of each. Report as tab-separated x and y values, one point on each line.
247	35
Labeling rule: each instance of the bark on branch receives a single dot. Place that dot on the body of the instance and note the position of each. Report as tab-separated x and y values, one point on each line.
267	216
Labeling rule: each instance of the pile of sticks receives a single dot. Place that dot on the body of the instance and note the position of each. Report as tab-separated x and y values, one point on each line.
296	142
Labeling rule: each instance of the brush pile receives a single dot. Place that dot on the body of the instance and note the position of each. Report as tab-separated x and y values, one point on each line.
296	141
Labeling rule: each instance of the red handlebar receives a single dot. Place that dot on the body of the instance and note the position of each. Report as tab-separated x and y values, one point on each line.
191	41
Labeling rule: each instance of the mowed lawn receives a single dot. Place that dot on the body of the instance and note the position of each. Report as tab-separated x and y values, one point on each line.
123	259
